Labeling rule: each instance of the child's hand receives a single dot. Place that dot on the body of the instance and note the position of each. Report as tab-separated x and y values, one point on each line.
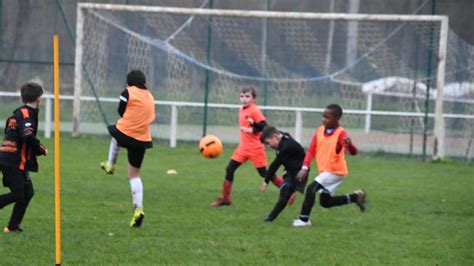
246	129
250	120
264	186
301	176
43	150
348	141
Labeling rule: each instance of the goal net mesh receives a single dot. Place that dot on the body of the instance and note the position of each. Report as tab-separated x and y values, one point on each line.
384	66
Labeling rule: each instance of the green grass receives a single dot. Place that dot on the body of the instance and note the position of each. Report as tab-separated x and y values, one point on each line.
418	214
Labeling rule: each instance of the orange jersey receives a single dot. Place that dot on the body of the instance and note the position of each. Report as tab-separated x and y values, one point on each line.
250	141
139	114
327	159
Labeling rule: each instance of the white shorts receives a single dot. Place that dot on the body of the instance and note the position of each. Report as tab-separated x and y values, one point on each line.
329	181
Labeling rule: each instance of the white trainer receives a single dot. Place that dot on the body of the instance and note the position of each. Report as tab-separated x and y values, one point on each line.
301	223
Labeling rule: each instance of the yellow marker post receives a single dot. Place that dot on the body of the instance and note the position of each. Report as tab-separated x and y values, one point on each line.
57	178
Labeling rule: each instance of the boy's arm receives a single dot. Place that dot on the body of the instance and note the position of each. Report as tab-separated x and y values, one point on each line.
273	168
123	102
258	126
310	153
258	121
346	142
27	132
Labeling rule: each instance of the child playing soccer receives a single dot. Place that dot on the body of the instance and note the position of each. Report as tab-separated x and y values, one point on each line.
251	122
291	155
18	153
132	131
328	145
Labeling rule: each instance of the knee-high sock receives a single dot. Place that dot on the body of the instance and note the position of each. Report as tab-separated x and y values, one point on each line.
136	186
229	179
226	189
277	181
113	151
328	201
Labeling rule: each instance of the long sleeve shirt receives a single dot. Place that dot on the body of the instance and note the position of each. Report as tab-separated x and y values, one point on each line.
290	154
20	145
311	152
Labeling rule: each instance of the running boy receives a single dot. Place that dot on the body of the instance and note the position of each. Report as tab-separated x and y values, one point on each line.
291	155
251	122
328	145
132	131
18	153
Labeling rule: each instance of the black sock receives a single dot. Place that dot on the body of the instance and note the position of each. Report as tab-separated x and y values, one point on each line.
309	201
328	201
353	197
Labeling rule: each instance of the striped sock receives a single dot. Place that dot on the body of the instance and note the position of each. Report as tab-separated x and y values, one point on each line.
304	218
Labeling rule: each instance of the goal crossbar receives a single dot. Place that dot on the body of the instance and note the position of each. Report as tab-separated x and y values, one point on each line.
262	14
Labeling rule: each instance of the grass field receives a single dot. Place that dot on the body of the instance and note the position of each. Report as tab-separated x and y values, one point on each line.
418	214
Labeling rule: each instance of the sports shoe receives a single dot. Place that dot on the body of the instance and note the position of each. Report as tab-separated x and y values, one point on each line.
108	167
360	201
291	200
137	218
220	202
7	230
301	223
268	219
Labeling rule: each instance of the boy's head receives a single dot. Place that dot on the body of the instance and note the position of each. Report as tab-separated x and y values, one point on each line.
31	92
136	78
331	115
247	96
271	137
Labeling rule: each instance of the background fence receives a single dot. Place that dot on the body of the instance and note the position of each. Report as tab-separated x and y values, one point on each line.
172	125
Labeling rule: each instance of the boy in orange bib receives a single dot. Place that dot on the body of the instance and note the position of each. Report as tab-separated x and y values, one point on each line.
251	122
327	146
132	131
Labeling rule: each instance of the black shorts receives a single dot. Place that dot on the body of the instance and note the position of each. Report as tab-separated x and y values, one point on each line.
135	157
128	142
135	148
290	179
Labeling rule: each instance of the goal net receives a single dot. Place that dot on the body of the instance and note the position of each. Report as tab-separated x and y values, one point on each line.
384	70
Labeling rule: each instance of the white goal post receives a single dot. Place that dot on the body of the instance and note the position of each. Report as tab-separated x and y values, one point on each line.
439	128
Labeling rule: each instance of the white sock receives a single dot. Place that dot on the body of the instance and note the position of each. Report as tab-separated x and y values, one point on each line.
113	151
137	192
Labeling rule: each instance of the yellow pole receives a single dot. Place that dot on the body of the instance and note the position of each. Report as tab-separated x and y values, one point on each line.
57	178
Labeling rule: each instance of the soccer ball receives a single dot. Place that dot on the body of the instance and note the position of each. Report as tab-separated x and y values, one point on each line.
210	146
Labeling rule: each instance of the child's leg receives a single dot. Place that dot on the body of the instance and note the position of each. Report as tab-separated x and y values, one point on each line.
309	200
330	182
259	160
276	180
109	165
224	199
113	151
285	193
21	204
135	159
328	201
13	179
357	197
